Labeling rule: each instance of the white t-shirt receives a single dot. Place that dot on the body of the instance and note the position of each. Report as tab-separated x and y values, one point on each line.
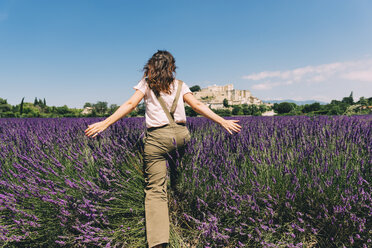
155	115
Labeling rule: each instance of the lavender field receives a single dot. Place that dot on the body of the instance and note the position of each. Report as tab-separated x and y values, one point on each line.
284	181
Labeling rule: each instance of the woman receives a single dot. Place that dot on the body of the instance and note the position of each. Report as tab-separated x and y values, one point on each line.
166	132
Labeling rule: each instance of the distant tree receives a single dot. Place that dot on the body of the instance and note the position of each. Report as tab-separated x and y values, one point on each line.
307	108
294	105
348	100
343	107
190	112
87	104
245	108
275	106
21	107
225	103
195	88
222	112
335	110
29	110
113	108
283	107
8	114
370	101
133	114
15	108
34	113
141	109
47	109
255	110
93	113
363	101
44	103
53	109
63	110
351	98
237	110
252	109
101	107
39	102
4	107
315	106
262	108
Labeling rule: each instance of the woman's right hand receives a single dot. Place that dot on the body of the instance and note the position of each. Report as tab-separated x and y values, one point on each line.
96	128
231	125
202	109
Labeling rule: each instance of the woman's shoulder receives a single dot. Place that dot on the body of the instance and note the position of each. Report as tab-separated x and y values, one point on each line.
142	86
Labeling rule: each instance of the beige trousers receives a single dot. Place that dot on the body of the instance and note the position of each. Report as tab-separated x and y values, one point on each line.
159	147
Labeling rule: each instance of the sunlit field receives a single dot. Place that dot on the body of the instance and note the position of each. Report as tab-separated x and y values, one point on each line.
284	181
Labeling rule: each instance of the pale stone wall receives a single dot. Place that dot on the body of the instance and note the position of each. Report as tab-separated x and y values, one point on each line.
87	110
214	96
269	113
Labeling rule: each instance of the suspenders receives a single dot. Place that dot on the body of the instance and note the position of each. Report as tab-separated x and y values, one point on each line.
170	114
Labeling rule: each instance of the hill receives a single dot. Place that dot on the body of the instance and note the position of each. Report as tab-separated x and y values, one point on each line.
294	101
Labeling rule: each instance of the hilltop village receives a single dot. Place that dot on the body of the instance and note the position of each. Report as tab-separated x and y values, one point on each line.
226	98
214	96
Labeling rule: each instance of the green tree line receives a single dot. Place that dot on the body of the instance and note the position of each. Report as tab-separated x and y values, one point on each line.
346	106
39	108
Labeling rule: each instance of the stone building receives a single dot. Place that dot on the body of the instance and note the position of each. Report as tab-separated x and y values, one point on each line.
214	96
87	110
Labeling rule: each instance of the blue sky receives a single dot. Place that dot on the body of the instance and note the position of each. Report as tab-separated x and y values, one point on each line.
72	52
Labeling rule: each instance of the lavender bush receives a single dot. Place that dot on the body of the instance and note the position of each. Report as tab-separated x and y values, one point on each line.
281	182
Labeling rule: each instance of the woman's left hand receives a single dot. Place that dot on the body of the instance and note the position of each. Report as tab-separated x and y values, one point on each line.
96	128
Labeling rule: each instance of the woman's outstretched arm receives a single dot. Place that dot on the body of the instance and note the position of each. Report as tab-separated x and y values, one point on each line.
124	109
202	109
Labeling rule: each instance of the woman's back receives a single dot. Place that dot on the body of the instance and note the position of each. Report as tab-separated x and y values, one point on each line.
155	116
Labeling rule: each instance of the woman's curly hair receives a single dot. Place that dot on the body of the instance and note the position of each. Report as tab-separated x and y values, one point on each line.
158	72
